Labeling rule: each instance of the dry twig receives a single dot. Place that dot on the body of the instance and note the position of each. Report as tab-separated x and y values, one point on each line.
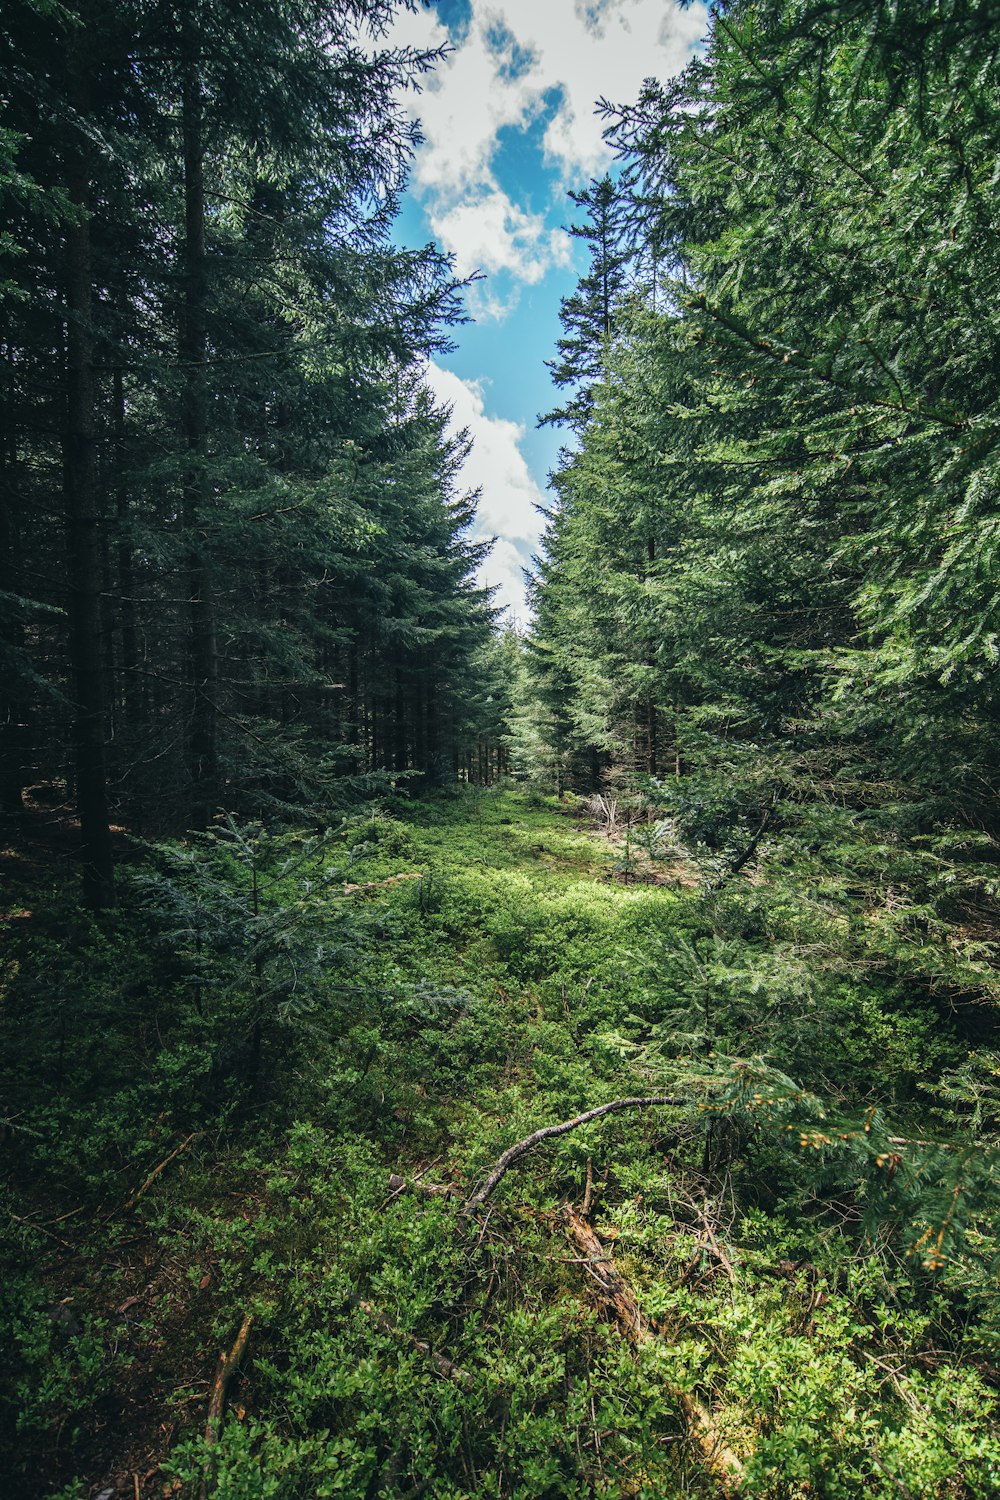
133	1198
441	1364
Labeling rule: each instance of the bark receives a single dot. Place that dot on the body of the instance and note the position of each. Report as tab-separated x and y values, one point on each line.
399	727
374	729
651	721
225	1370
129	661
13	772
420	725
432	728
354	709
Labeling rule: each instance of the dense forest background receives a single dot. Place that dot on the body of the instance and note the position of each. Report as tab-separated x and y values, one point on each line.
235	552
549	1066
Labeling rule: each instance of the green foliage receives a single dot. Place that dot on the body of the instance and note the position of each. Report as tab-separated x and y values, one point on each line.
790	1228
765	642
254	927
276	504
769	577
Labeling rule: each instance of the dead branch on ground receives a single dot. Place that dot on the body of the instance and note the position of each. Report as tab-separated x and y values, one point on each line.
398	1185
134	1197
443	1366
521	1148
225	1370
720	1460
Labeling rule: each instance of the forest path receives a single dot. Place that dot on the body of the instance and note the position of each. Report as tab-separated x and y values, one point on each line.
634	1312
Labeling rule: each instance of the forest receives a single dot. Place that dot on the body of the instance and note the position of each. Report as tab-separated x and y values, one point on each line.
445	1059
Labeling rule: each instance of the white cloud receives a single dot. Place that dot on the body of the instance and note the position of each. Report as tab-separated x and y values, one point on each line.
488	232
519	62
497	466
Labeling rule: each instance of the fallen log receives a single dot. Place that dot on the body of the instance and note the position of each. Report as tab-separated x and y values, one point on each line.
719	1459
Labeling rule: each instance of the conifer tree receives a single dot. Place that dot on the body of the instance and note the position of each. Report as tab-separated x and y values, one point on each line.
270	575
590	315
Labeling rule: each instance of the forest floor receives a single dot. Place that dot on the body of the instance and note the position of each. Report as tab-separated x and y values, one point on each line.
210	1096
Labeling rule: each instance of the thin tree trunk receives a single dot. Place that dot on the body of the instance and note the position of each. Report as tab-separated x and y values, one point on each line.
12	707
399	728
203	662
433	747
129	661
420	725
651	726
83	530
353	707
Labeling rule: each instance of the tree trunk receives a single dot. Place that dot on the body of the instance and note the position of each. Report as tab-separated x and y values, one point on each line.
129	661
353	696
83	530
420	725
12	706
399	727
651	735
203	662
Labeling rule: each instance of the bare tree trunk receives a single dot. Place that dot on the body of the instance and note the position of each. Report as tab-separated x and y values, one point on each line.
399	728
353	735
12	705
651	724
420	725
203	661
83	529
129	661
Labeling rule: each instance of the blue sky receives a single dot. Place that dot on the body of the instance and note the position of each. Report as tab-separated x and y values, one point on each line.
509	127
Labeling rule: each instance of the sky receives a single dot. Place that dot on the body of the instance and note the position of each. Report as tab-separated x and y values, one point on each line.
509	127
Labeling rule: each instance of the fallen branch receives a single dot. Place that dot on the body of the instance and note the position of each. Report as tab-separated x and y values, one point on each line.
399	1185
224	1372
521	1148
443	1366
720	1460
33	1224
716	1249
379	885
588	1192
133	1198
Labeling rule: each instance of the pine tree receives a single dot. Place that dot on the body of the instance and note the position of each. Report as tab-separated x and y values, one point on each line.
249	456
590	315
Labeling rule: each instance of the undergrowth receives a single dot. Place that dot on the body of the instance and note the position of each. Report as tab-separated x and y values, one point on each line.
206	1096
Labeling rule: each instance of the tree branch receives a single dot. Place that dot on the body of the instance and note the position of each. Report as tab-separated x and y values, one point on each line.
521	1148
